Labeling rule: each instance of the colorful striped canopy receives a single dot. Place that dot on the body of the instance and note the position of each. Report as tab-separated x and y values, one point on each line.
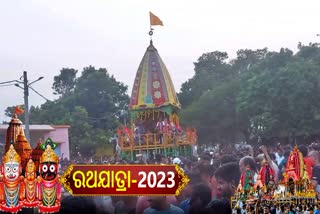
153	87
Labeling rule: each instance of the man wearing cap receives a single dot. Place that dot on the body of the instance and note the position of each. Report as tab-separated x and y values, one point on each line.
178	162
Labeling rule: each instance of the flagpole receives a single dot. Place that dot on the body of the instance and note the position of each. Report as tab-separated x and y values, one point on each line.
150	34
154	20
151	30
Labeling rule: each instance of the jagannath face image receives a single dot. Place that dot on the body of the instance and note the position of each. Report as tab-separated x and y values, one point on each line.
48	170
11	171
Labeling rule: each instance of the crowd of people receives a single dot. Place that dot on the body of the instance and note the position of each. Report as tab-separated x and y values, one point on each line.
151	132
214	177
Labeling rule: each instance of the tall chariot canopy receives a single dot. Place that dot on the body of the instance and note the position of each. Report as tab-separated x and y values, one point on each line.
154	107
153	90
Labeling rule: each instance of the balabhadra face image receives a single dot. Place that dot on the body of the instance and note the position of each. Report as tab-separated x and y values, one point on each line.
11	171
48	170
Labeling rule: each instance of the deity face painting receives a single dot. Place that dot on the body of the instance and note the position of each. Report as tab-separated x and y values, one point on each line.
30	176
48	170
11	171
30	171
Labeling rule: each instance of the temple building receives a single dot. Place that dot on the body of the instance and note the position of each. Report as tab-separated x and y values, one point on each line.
14	133
23	148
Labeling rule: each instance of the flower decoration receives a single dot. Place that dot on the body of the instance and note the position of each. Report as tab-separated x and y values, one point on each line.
157	94
156	84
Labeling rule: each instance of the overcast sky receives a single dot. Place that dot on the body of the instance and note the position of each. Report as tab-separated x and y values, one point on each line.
42	36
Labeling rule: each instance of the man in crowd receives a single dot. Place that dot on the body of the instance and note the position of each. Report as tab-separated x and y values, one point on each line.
206	172
160	159
315	170
187	191
227	178
200	197
177	161
160	205
217	206
307	160
143	203
70	205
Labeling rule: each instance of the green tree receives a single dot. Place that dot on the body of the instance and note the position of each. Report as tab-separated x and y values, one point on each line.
280	95
210	69
91	107
214	114
214	109
101	95
65	82
247	58
80	136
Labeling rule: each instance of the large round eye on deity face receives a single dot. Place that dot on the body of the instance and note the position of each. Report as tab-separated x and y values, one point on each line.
44	168
52	168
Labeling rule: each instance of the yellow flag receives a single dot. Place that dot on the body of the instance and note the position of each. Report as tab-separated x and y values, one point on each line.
154	20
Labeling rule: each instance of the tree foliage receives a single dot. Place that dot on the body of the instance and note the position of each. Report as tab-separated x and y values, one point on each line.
101	95
281	95
210	69
90	104
258	94
65	82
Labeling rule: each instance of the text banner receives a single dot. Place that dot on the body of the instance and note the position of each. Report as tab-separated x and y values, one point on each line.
148	180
